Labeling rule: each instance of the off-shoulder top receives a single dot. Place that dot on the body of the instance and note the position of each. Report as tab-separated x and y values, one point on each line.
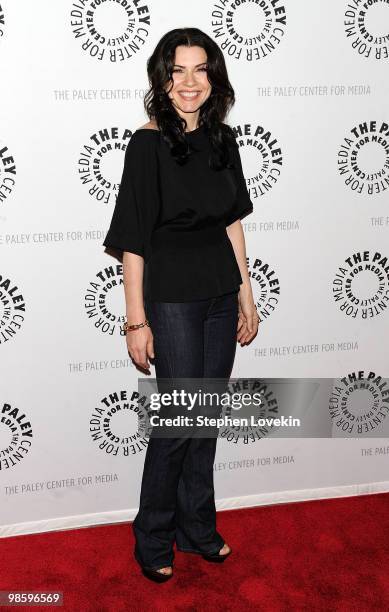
175	217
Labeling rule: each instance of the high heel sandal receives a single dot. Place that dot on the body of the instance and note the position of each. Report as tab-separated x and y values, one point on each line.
152	573
216	557
155	575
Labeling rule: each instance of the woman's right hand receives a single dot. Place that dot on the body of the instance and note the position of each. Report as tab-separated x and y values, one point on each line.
140	345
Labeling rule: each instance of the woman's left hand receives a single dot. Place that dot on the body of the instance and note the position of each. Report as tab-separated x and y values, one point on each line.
248	318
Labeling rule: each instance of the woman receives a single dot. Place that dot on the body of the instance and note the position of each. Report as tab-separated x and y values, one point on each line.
187	289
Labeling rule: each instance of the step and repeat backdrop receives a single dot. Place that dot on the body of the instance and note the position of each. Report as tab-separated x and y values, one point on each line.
312	122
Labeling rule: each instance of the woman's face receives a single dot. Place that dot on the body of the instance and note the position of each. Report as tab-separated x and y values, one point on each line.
190	88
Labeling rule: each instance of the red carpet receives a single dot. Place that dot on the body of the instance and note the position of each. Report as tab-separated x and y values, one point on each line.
330	555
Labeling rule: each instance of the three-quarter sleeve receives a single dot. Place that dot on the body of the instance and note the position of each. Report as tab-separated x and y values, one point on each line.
138	200
242	205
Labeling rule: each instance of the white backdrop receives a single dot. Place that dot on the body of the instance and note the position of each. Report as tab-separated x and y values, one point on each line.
311	118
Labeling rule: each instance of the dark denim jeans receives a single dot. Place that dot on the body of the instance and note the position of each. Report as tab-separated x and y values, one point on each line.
177	502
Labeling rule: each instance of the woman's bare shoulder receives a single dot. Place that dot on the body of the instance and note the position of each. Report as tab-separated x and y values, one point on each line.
150	125
143	141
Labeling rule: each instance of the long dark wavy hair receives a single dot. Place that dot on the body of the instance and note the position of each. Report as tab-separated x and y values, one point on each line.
158	105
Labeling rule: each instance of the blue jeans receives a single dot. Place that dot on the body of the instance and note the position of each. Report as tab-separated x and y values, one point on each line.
177	502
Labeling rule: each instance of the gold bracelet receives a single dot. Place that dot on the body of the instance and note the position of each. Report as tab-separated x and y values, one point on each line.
126	327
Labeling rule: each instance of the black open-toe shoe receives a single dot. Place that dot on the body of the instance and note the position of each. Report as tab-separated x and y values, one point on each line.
155	575
216	557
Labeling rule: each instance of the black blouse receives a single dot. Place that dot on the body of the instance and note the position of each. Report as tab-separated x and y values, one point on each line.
175	217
